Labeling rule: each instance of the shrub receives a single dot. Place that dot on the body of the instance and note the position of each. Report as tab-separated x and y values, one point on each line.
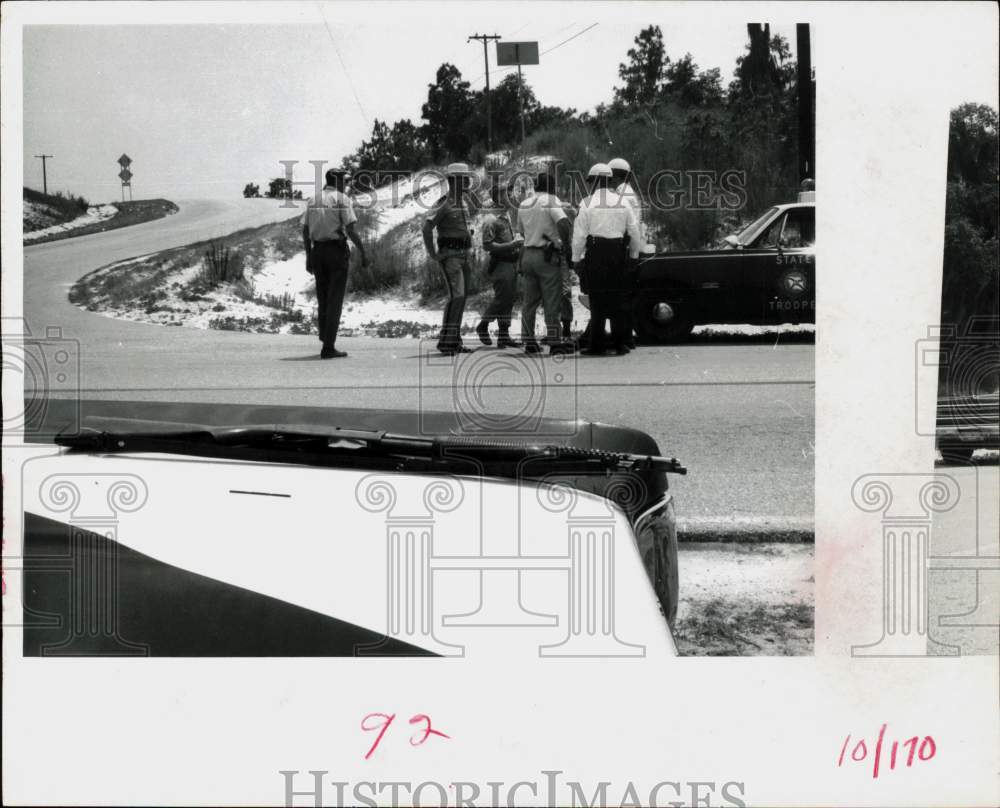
221	265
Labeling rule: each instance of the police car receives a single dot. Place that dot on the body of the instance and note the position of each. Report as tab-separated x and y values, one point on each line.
764	274
188	530
967	423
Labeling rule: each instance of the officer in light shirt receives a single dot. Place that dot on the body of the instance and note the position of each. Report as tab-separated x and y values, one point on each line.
599	246
546	229
623	182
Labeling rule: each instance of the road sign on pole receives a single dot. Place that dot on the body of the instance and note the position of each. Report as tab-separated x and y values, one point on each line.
518	53
125	175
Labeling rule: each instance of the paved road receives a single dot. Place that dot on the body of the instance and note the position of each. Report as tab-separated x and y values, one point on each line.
741	416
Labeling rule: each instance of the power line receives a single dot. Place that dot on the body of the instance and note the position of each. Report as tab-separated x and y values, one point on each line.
580	33
547	50
343	66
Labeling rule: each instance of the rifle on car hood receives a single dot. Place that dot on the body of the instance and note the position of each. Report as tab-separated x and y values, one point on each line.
355	448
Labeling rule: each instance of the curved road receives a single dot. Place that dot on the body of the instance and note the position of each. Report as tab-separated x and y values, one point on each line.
740	416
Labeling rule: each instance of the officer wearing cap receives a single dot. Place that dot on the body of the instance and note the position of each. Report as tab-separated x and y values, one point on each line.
623	181
546	230
450	216
503	246
605	238
327	224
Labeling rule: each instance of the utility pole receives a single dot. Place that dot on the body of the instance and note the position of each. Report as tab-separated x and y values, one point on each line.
45	179
485	38
807	101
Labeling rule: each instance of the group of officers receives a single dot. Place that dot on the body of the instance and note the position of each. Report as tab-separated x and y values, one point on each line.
535	238
532	237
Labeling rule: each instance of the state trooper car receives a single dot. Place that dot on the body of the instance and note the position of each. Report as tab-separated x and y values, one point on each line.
184	529
764	274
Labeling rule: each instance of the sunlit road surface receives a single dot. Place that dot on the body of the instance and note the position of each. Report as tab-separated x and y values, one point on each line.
740	417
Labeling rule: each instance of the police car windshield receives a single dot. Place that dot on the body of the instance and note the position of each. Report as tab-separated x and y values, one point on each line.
749	233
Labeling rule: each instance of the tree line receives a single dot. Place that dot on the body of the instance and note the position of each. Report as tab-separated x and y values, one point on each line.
664	113
970	290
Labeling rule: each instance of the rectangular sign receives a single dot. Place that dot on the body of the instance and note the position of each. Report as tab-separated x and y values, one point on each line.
517	53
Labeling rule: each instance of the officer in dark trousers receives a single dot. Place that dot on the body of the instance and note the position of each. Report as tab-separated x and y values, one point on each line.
504	249
327	224
450	216
624	183
605	238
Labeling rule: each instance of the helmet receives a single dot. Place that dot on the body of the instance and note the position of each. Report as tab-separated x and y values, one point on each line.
620	164
599	170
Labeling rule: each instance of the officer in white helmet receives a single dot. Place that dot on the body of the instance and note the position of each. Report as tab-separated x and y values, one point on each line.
623	181
605	238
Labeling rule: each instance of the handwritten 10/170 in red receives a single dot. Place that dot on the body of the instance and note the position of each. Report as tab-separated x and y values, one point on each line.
913	749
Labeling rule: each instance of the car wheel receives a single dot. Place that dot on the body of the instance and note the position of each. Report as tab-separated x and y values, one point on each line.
662	320
957	454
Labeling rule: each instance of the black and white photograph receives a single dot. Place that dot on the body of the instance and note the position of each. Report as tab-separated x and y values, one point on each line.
438	403
490	274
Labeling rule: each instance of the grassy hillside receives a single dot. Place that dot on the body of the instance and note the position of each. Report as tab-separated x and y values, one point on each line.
42	211
52	208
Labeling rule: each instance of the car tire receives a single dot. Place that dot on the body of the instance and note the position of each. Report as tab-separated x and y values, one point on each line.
957	454
652	329
657	540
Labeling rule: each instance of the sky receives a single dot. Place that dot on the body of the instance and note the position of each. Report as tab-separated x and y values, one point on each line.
204	109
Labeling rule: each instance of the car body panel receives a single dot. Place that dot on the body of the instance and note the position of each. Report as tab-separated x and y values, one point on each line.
967	423
322	558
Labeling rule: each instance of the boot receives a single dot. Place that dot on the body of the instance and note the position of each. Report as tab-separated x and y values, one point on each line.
505	340
566	326
483	331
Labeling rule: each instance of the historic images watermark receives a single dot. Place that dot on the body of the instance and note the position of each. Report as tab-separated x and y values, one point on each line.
544	532
667	190
47	363
498	393
940	558
314	787
86	561
965	361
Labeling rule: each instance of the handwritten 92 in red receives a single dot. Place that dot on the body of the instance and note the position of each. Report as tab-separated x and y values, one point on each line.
380	722
913	750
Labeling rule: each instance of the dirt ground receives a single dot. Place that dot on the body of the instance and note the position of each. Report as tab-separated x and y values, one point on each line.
745	599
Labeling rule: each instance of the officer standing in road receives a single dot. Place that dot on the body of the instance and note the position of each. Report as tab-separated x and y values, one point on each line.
450	216
623	182
327	224
546	230
503	247
600	231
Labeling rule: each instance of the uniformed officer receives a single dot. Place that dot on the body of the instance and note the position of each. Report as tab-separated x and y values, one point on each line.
327	224
623	182
503	246
451	216
599	245
546	230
